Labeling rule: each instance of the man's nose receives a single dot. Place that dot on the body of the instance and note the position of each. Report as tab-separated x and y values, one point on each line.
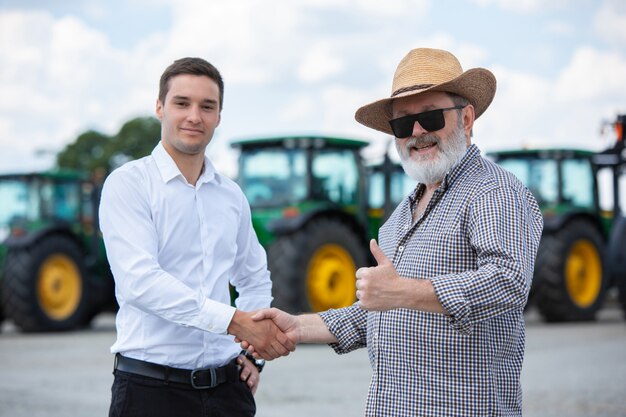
193	114
418	130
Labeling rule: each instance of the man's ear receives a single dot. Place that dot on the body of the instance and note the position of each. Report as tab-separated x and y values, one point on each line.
468	120
159	109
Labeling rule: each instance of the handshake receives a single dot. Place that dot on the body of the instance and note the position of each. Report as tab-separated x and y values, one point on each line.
268	333
271	333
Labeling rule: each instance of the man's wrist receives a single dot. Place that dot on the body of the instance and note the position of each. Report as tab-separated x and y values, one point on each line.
235	323
259	363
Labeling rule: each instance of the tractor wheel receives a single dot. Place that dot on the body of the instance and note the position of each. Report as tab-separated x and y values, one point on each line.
44	286
1	307
314	269
621	288
617	258
572	278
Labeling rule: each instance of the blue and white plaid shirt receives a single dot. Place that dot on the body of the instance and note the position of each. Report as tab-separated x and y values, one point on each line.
476	242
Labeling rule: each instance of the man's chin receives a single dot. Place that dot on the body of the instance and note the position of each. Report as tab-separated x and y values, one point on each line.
191	148
425	175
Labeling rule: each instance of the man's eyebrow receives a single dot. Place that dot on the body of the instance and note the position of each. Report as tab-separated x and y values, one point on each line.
205	101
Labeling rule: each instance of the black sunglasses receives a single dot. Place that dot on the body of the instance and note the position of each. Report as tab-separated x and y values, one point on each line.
430	121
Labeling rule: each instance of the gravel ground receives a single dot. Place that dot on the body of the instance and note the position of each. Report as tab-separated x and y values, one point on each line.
575	370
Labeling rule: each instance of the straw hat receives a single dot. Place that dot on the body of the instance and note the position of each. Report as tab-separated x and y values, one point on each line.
425	69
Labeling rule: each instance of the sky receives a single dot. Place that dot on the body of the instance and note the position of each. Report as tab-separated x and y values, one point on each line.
304	67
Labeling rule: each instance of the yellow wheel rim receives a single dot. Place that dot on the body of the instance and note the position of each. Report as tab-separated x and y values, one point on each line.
59	287
330	280
583	273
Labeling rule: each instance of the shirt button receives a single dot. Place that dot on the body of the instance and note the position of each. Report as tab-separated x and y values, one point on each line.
400	249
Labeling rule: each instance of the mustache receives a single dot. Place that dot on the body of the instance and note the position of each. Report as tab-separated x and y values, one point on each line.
417	142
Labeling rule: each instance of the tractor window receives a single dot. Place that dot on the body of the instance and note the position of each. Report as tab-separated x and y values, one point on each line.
60	200
401	186
273	177
18	201
335	176
376	198
578	183
539	175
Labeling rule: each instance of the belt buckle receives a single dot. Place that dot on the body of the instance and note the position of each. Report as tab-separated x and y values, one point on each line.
213	383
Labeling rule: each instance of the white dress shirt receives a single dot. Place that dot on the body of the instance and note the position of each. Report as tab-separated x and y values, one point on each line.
173	249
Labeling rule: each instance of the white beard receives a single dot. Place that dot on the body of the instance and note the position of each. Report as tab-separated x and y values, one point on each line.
432	171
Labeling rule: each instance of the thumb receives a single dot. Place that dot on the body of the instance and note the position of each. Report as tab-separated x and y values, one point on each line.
378	253
262	314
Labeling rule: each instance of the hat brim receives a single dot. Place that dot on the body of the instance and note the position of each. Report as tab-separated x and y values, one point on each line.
477	85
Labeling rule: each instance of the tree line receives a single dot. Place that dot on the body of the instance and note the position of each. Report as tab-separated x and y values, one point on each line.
94	152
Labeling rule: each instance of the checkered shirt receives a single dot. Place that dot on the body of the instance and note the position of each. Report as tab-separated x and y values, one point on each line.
476	242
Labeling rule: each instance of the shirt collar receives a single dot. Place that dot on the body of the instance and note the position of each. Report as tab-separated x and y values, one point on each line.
168	169
464	164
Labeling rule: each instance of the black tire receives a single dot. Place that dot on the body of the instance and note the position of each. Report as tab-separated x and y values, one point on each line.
621	287
44	287
571	273
1	306
617	258
314	268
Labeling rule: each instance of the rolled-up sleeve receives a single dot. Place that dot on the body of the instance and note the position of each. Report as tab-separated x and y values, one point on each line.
503	233
348	325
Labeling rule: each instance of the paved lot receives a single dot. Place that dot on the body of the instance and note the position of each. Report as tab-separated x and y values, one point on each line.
576	370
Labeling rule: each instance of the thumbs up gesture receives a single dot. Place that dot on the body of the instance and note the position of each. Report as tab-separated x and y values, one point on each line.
378	287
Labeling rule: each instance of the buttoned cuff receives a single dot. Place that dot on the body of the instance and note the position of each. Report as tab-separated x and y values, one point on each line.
449	291
215	316
348	326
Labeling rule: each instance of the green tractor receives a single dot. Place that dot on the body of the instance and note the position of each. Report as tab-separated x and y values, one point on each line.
583	248
315	205
54	270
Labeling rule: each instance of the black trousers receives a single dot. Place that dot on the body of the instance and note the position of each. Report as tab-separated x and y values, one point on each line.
138	396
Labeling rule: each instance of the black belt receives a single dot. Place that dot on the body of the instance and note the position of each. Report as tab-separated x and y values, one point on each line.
202	378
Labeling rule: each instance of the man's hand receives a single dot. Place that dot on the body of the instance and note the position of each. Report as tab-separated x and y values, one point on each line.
268	340
249	373
287	323
379	288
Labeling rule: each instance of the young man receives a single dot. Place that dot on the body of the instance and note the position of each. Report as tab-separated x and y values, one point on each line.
177	233
442	313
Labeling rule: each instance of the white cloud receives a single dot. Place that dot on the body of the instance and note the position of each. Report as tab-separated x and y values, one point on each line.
59	78
298	109
610	22
320	62
524	6
377	8
592	75
560	28
532	111
305	65
514	117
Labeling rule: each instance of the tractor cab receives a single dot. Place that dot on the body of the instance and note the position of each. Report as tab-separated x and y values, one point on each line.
54	270
315	205
581	254
31	201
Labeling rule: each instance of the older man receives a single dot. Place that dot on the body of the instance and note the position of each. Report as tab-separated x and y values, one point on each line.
442	313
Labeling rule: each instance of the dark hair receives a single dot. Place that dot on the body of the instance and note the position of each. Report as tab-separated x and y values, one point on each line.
192	66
